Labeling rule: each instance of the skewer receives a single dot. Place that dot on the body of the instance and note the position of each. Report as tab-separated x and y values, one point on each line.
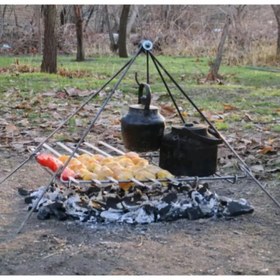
111	147
67	149
122	153
108	155
56	153
93	147
98	150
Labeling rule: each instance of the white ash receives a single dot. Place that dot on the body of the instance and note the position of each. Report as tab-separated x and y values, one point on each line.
140	205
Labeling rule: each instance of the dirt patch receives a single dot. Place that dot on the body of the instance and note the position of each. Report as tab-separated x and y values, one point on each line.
243	245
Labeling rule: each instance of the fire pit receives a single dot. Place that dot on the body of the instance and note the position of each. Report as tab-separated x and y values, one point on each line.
139	205
130	201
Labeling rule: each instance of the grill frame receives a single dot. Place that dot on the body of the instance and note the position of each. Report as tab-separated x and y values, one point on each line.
69	148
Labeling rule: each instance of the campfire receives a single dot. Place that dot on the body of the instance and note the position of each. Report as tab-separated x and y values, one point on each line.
149	194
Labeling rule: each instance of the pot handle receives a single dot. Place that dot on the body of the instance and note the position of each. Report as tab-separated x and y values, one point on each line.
214	133
144	99
209	140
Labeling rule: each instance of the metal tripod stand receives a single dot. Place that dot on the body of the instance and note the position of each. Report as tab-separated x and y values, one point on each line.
145	47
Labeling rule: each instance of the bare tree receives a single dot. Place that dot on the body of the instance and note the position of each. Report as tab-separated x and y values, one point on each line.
123	31
3	20
131	18
91	10
79	32
49	63
213	73
37	19
113	43
276	10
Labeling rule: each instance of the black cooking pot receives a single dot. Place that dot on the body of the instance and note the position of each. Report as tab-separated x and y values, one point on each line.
143	126
190	150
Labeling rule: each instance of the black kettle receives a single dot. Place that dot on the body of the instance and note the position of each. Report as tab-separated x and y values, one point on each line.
190	150
143	126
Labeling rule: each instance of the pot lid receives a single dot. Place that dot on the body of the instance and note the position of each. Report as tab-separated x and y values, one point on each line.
196	128
199	132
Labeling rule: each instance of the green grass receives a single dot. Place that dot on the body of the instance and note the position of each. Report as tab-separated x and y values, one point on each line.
185	70
276	128
249	90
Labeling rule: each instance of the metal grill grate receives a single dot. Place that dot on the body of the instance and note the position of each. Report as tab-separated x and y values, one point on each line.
107	150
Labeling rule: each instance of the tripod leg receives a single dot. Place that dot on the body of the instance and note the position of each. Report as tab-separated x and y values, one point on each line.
168	90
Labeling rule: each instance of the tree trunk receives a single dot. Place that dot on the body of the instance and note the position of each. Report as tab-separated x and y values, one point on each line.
122	31
113	43
132	18
89	17
37	16
3	20
49	63
79	32
276	10
213	73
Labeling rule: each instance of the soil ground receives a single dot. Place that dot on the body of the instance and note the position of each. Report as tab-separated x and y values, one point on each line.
247	244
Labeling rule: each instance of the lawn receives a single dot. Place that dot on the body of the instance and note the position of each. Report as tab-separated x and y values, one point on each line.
247	90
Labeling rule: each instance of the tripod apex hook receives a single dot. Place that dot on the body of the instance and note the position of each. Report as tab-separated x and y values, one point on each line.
146	45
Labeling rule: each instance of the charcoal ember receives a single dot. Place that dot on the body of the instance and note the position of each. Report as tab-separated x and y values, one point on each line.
193	213
224	200
111	189
92	191
138	205
209	207
24	192
185	203
196	197
44	213
163	212
182	188
96	205
171	197
128	218
132	202
113	202
110	216
146	215
238	207
130	206
202	189
169	213
74	209
29	199
43	202
58	211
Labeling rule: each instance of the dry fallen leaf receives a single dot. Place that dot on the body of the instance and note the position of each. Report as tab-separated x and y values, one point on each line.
229	107
168	108
247	118
11	129
266	149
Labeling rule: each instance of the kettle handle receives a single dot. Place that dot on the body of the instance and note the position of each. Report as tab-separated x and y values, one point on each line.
146	99
210	140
